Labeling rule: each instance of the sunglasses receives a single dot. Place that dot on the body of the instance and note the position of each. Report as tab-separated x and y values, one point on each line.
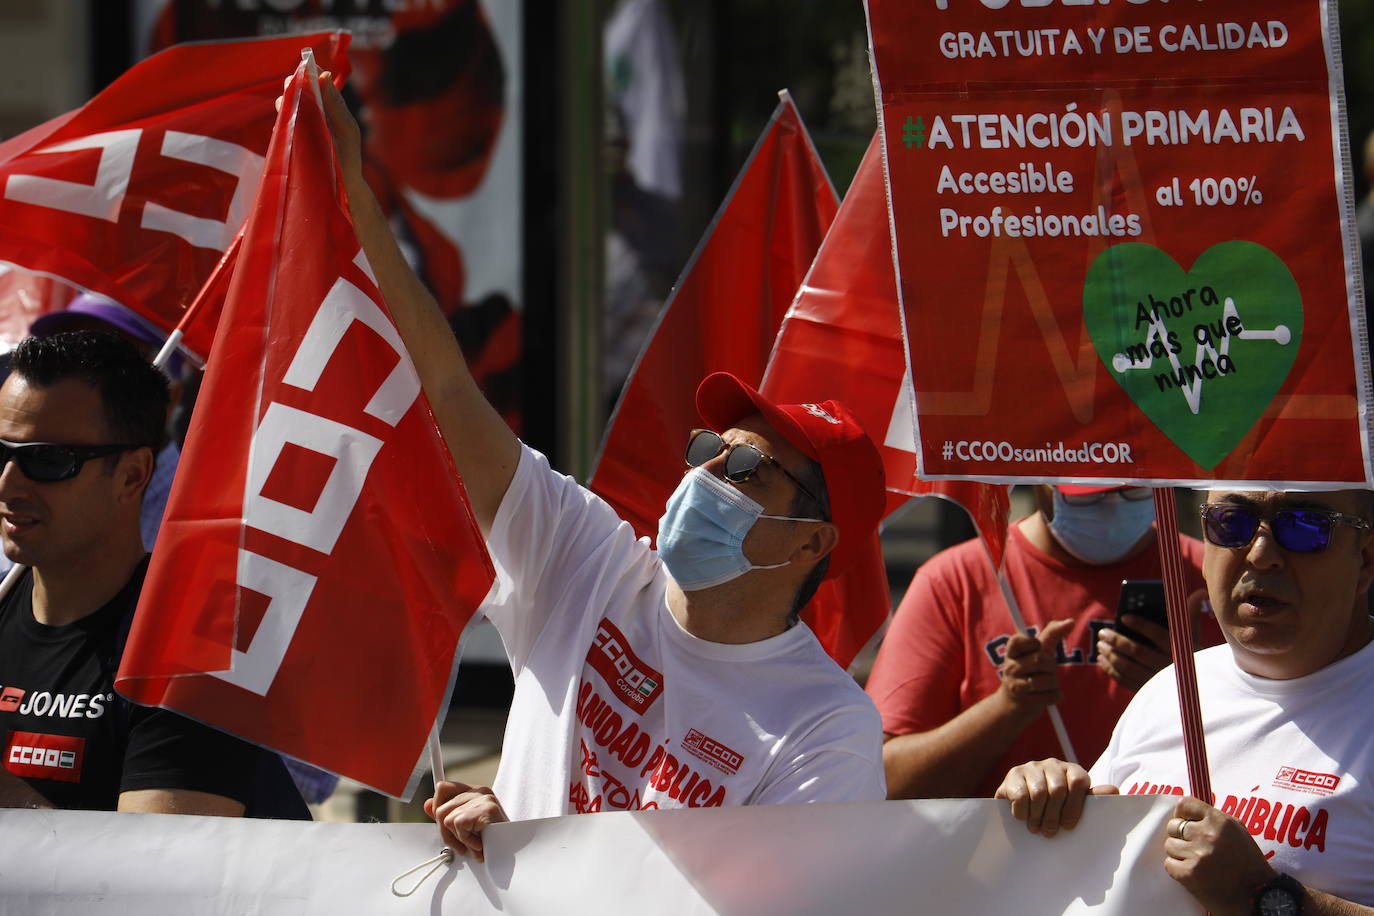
49	462
741	461
1130	494
1296	530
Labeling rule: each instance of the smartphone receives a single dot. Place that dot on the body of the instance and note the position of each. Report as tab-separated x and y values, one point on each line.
1143	598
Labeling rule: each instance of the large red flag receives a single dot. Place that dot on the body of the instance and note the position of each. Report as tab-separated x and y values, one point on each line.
723	315
318	561
136	194
844	334
842	338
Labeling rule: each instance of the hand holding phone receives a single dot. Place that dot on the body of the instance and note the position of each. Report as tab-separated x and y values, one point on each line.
1127	655
1143	598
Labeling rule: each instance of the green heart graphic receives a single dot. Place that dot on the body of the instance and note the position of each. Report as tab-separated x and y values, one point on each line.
1201	352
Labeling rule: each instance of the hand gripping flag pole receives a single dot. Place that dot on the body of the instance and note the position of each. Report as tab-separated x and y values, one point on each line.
445	855
1056	718
988	519
995	555
988	506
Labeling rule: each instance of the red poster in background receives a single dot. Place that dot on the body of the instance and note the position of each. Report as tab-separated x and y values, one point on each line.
136	194
842	338
723	315
1124	239
438	96
318	560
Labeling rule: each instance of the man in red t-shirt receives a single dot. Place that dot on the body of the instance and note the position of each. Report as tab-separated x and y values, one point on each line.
963	695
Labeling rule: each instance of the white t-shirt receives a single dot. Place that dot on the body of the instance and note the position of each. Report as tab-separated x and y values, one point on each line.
617	707
1289	759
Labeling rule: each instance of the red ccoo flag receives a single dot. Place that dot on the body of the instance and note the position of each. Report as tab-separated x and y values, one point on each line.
844	332
723	315
137	194
843	339
318	561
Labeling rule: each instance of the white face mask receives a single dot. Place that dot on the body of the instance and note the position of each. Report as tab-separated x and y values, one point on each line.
701	534
1101	533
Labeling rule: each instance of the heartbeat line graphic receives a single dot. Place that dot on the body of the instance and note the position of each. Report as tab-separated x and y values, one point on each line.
1190	383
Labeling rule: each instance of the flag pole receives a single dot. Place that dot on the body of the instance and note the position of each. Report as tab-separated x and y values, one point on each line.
1056	718
1181	644
168	348
225	263
197	305
436	755
445	856
11	577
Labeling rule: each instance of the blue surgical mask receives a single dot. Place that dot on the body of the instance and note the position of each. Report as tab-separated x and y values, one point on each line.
701	534
1102	532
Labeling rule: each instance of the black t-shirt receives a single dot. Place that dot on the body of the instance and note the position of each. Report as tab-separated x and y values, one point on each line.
77	743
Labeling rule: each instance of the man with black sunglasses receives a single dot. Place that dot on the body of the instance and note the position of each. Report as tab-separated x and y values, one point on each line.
669	678
1283	706
81	416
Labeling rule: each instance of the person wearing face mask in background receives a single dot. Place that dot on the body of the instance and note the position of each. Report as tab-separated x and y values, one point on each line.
963	696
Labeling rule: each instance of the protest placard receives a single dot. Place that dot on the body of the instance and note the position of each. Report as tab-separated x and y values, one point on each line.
1124	239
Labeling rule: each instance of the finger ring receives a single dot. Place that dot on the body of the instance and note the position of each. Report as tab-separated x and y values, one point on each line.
1182	825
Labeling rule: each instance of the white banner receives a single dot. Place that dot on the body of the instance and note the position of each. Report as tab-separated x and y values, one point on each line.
949	857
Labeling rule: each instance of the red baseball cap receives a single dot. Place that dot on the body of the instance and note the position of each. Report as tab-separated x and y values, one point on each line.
1075	489
828	434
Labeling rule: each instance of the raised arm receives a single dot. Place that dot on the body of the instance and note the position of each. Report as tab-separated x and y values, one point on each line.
484	449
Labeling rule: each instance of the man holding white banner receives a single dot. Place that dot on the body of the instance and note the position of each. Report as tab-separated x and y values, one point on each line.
1288	575
644	679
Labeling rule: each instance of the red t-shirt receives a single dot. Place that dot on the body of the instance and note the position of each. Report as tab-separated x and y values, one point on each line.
941	654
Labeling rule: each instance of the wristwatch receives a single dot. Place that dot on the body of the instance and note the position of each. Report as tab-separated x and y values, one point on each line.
1279	896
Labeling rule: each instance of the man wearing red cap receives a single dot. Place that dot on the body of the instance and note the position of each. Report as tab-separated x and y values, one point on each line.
653	679
963	695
